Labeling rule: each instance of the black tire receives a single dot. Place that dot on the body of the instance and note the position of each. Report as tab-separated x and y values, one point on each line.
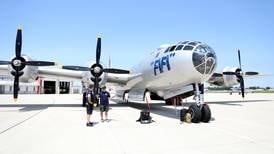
206	113
195	112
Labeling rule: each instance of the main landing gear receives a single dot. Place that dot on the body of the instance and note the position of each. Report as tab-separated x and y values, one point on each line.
198	112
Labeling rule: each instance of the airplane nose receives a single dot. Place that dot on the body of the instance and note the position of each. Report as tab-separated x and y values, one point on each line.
204	59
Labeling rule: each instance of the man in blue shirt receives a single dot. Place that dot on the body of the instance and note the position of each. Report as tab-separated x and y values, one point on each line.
89	104
104	103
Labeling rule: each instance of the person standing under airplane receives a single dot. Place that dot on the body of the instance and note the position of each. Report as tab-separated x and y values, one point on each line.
90	98
104	103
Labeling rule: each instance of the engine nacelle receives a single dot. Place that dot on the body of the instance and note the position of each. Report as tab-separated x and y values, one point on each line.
30	72
230	80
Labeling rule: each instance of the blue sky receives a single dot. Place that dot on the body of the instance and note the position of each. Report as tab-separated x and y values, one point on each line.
65	31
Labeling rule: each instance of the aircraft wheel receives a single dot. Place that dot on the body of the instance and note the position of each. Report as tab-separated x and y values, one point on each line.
206	113
195	113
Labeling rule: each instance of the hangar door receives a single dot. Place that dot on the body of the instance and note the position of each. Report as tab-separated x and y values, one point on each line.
64	87
49	87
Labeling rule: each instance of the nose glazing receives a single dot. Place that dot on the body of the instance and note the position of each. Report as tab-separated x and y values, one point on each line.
204	59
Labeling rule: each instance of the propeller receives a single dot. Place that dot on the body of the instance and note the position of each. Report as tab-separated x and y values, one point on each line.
97	69
19	63
239	74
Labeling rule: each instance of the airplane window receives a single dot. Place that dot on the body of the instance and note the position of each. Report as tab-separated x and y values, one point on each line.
179	47
166	50
204	59
172	48
198	59
187	47
209	63
157	54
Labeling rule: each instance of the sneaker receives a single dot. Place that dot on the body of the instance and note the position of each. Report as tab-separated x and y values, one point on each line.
90	124
102	120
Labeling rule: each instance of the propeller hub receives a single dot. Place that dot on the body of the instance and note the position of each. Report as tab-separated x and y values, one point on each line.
97	69
17	62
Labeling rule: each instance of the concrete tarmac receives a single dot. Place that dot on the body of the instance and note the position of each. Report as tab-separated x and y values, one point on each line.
56	124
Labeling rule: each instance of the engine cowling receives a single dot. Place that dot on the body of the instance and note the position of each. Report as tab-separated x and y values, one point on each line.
30	73
230	80
86	80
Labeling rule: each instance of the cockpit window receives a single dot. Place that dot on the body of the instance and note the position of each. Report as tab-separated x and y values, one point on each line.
167	49
179	47
188	47
172	48
157	54
204	59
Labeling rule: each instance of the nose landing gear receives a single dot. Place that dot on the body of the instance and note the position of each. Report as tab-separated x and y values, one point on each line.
198	111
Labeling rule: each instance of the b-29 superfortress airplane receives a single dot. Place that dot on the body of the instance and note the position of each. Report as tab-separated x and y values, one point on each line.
171	71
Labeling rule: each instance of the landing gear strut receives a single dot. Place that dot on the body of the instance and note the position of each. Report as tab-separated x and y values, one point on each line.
199	111
174	101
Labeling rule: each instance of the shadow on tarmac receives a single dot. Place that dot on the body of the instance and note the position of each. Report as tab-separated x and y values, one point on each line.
236	103
155	108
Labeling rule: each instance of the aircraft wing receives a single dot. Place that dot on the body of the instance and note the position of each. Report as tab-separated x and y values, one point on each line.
4	70
127	80
214	75
247	75
216	79
50	72
57	73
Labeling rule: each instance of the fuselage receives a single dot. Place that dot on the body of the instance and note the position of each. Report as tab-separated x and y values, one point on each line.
176	65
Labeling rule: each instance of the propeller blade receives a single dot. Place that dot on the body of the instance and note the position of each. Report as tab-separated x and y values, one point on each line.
116	71
98	50
40	63
5	62
76	68
93	79
242	86
239	57
251	73
229	73
15	87
18	43
96	85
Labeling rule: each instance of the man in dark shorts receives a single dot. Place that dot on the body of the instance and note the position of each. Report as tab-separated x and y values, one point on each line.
89	104
104	103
